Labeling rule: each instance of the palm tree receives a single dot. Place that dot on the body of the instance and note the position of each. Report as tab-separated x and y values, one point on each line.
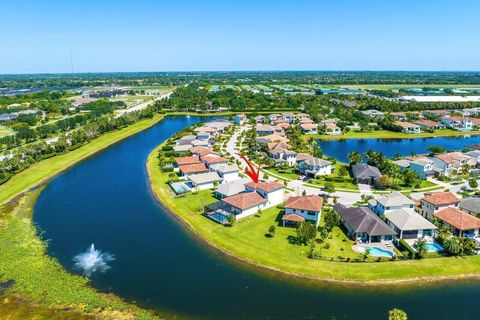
452	245
354	157
421	247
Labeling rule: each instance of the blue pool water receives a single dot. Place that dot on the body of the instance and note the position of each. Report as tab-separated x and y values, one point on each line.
434	247
378	252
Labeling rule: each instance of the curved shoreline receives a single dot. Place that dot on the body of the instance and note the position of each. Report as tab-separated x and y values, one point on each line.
409	281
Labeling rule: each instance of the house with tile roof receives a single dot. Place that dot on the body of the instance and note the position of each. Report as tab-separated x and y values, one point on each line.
308	128
226	172
302	208
182	161
274	192
362	224
409	225
460	222
432	202
204	181
391	202
280	153
408	127
452	162
365	174
429	124
231	188
313	167
458	123
191	169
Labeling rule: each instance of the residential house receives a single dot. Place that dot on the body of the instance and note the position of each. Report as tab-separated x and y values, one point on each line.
365	174
204	181
399	116
332	129
274	192
226	172
203	136
203	152
273	117
182	161
289	117
213	160
273	138
432	202
311	166
409	225
280	153
240	206
424	167
408	127
374	114
260	119
302	208
458	123
239	118
309	128
459	222
231	188
438	113
264	130
303	116
191	169
471	205
391	202
362	224
429	124
451	163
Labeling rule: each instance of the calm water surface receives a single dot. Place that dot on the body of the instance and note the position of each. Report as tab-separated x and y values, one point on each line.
106	200
339	149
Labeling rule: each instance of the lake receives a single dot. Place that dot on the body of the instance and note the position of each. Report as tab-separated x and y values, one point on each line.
106	200
339	149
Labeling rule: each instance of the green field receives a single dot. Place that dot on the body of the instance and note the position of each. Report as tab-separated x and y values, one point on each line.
246	241
405	86
5	131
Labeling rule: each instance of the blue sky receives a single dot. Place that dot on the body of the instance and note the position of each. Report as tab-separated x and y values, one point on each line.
37	36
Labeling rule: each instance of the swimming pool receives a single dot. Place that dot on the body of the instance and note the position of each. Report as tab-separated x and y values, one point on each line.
434	247
377	252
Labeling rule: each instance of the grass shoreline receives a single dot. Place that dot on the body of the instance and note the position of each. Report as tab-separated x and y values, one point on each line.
384	134
358	274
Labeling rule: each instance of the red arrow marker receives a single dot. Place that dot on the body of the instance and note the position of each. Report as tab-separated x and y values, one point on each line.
251	171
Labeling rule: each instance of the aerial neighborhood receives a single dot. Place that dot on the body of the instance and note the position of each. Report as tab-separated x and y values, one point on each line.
388	209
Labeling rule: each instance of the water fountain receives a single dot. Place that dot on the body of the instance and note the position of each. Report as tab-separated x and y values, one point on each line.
93	260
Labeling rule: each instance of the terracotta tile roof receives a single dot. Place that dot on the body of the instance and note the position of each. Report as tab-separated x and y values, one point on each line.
440	198
202	151
265	186
475	120
245	200
404	124
213	159
193	168
458	219
456	118
186	160
452	157
293	217
308	126
310	203
429	123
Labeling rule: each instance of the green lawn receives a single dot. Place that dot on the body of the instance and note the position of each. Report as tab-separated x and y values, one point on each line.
52	166
246	240
289	173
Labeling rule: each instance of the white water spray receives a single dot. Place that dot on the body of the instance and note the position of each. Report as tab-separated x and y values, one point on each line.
93	260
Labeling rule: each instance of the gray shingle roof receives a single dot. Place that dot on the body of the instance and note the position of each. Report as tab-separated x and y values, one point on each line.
362	219
408	220
471	205
362	170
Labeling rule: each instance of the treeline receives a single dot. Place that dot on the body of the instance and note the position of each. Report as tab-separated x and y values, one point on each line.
25	156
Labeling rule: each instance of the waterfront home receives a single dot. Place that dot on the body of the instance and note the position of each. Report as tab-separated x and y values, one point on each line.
399	116
433	202
240	206
408	127
471	205
205	129
308	128
203	152
182	148
273	138
458	123
231	188
423	166
200	143
239	118
203	136
280	153
213	160
313	167
403	164
409	225
459	222
259	119
332	129
429	124
374	114
204	181
274	192
451	163
226	172
391	202
191	169
302	208
186	140
362	224
181	161
365	174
